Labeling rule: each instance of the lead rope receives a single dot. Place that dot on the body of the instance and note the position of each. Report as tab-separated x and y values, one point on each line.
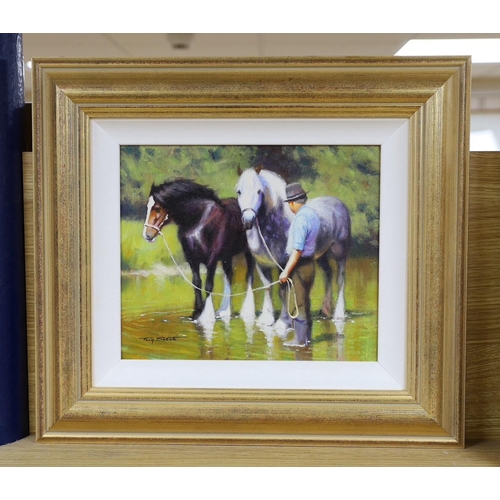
289	283
181	272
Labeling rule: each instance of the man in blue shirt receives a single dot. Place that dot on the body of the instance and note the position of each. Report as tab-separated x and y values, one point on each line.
300	266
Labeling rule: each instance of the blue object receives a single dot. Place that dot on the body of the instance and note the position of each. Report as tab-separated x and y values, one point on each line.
14	422
304	232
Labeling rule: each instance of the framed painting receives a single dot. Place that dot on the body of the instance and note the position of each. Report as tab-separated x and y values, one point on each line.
251	250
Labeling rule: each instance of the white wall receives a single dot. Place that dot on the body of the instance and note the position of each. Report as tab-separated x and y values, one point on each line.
485	131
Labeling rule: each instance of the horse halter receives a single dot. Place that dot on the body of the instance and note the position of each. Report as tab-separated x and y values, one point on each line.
243	217
157	228
246	209
253	209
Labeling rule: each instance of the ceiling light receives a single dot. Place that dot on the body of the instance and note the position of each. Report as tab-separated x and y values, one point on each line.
482	50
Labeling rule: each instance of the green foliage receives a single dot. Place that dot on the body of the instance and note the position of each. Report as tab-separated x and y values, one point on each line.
350	173
214	166
292	163
138	254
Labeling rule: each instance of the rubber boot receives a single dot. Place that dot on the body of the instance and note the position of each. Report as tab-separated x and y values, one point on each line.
302	335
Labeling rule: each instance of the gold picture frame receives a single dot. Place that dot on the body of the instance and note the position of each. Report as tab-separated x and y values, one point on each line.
432	94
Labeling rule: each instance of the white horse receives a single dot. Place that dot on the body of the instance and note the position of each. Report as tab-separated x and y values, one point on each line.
267	219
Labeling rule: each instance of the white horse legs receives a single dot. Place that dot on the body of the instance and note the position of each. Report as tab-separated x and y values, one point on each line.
224	310
285	323
339	314
247	312
207	317
266	317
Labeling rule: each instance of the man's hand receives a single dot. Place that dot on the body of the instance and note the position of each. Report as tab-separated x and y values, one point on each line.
283	277
292	260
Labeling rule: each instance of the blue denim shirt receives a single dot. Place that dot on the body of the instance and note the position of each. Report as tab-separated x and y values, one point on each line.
304	232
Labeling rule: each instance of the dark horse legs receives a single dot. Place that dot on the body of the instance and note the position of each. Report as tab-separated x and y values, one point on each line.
199	302
224	310
227	266
250	267
198	299
324	263
209	283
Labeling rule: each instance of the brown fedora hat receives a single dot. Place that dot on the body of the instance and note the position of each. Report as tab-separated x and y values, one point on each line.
294	191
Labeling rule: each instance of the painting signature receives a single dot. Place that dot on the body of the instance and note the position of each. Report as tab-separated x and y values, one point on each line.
162	339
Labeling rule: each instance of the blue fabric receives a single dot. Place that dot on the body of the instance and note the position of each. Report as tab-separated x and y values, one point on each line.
13	359
304	232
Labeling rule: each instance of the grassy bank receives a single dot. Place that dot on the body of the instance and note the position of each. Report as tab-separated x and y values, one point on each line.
138	254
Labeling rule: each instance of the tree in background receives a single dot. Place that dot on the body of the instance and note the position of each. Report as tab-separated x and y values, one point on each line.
350	173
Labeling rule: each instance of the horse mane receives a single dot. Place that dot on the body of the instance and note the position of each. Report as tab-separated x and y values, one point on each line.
180	190
277	185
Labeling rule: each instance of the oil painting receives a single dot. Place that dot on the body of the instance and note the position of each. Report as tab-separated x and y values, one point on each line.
124	355
250	252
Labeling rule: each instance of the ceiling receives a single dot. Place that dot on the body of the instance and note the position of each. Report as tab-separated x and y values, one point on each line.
485	77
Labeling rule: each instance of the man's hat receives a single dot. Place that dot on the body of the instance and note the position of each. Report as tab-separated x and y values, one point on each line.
294	192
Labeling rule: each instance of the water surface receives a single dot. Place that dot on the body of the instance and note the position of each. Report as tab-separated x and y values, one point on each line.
156	308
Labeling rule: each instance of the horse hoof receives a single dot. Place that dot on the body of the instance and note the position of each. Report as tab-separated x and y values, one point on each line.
266	319
248	319
339	326
281	328
223	314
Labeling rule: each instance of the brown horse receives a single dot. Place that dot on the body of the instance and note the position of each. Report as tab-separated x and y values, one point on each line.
209	230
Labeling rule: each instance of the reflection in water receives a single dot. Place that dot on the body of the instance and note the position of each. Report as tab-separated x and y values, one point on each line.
339	326
232	338
155	308
250	330
207	332
303	354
